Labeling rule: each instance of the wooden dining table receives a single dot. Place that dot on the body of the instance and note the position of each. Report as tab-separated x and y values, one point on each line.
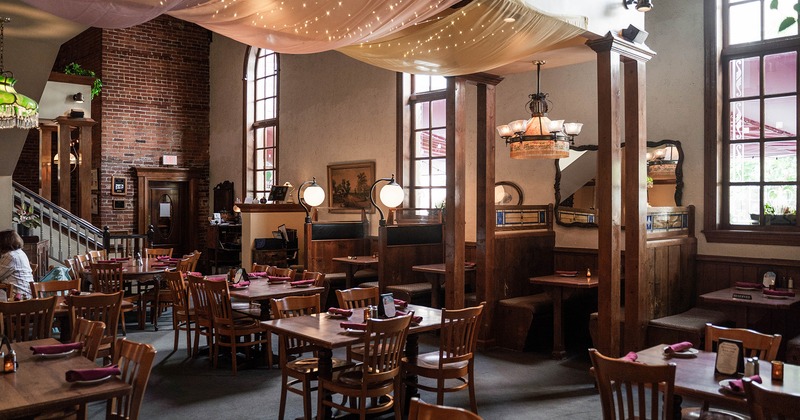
324	331
61	313
560	288
261	291
695	377
435	275
39	385
746	301
353	263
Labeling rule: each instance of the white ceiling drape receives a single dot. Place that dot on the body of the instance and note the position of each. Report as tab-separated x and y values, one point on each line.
400	35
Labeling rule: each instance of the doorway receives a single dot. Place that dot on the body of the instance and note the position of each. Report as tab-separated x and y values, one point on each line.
167	212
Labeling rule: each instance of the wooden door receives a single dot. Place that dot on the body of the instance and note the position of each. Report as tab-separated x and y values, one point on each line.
169	215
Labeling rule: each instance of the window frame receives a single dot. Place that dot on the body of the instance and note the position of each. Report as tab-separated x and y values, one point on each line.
411	151
716	224
253	125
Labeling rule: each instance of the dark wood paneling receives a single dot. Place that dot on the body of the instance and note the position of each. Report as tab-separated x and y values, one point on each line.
518	257
719	272
321	252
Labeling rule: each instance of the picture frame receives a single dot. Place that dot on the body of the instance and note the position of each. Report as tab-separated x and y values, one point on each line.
277	193
730	357
95	180
95	203
119	204
349	186
119	185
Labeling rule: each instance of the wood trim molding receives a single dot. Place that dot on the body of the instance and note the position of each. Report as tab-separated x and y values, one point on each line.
145	175
270	208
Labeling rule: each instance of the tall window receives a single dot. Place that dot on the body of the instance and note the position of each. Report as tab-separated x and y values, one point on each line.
428	141
759	67
265	125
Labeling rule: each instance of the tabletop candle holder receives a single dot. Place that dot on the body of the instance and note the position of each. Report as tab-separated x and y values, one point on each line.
10	364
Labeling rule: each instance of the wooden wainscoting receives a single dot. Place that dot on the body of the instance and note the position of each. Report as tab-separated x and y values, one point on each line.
716	272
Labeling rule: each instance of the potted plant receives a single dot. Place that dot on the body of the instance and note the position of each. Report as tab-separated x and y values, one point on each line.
26	219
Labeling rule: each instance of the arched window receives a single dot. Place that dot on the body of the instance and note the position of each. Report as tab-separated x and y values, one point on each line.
427	178
261	122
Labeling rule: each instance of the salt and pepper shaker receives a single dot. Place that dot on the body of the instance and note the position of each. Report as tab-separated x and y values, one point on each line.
749	369
790	284
755	366
588	273
139	259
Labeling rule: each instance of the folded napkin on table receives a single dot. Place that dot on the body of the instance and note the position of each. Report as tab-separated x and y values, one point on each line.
778	292
630	357
276	279
400	303
678	347
566	272
340	311
56	348
121	259
736	385
256	274
92	374
414	318
302	282
469	264
242	283
163	258
353	325
748	284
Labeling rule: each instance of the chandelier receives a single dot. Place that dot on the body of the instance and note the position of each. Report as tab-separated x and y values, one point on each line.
16	110
539	137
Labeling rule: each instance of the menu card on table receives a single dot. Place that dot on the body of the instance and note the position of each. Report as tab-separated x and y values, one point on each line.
730	357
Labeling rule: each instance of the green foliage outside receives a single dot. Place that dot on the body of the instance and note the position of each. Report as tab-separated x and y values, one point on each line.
789	20
76	69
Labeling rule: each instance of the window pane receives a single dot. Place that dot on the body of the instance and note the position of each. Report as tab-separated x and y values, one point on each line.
259	137
422	198
780	73
438	195
260	181
439	175
439	113
260	159
745	120
269	161
438	83
744	202
745	162
269	112
421	144
781	117
260	110
780	163
422	176
780	199
744	23
744	74
270	135
269	87
773	19
422	116
439	143
422	83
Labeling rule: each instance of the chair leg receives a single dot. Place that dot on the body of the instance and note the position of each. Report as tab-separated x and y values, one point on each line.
284	391
306	398
233	354
176	331
399	396
320	397
188	337
471	386
440	391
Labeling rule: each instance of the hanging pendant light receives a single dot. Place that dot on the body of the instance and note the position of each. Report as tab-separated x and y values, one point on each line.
16	109
539	137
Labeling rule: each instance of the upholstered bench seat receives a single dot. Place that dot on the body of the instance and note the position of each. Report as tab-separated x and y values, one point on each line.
412	292
793	351
685	326
515	318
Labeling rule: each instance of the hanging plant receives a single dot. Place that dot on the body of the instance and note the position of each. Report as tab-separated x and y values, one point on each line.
76	69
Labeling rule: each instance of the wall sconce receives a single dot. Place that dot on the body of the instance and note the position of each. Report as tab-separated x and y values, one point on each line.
641	5
78	98
313	196
391	196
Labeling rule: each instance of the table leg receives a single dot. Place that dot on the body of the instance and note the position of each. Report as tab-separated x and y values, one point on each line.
326	372
556	293
412	351
434	281
349	274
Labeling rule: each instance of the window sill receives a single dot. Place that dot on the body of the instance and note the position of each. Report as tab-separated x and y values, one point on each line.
757	237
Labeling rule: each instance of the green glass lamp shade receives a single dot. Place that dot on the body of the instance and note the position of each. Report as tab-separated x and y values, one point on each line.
16	109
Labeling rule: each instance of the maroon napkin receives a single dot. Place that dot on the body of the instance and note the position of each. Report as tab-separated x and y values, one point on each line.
163	258
74	292
302	282
276	279
340	311
630	357
92	374
241	285
121	259
678	347
787	293
414	318
400	303
469	264
736	385
566	273
257	274
748	284
353	326
56	348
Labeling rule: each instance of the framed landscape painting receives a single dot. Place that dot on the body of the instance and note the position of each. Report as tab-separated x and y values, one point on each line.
349	185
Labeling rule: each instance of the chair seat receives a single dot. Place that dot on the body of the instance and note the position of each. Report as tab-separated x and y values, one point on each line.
412	288
352	378
311	364
431	361
368	284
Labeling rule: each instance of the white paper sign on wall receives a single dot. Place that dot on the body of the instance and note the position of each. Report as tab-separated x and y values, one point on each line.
171	160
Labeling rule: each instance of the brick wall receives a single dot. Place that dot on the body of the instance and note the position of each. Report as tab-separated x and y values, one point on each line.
154	102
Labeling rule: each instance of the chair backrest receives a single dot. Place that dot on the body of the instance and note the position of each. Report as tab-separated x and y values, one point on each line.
83	262
135	361
628	389
107	277
54	288
97	255
219	302
97	307
195	257
357	297
290	307
281	272
177	287
75	270
90	333
27	320
7	288
765	404
420	410
157	252
202	306
459	334
257	268
319	281
765	346
384	341
184	265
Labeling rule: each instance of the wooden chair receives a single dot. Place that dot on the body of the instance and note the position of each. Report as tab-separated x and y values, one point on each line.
182	313
319	281
98	307
228	329
376	378
203	320
107	278
90	333
765	346
357	297
764	404
281	272
135	361
634	387
157	252
97	255
302	370
54	288
258	268
455	359
420	410
195	257
7	289
75	270
27	320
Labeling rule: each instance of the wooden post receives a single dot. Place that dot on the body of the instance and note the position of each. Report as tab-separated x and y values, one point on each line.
85	172
46	160
455	219
64	192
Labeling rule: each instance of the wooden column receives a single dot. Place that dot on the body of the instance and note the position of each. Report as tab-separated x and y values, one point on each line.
610	51
455	218
64	190
46	160
84	169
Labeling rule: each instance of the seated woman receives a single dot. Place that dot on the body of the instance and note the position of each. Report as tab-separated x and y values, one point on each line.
15	269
